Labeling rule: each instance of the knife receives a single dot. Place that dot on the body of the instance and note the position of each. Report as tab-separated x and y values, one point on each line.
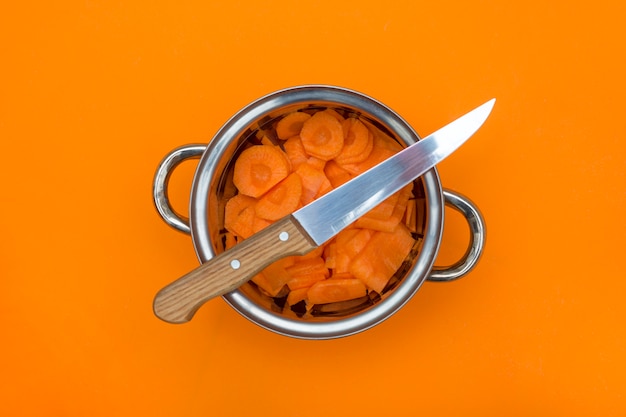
313	224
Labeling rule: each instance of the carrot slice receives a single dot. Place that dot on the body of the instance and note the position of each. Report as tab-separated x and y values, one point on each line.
384	210
334	290
291	124
281	200
295	151
274	277
336	174
381	150
259	223
308	266
358	142
304	281
262	282
342	275
295	296
334	113
330	254
356	244
342	263
265	283
382	138
388	224
342	256
325	187
259	168
316	163
348	248
266	140
382	225
315	253
312	180
239	215
381	257
342	238
322	136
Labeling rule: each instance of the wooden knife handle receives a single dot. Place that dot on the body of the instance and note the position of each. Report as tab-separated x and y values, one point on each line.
178	302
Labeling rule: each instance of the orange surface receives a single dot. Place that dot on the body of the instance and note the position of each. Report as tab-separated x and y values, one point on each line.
94	93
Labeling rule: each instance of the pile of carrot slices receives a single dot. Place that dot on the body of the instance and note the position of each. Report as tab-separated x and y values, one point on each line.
315	153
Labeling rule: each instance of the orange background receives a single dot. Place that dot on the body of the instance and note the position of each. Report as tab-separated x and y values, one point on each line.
94	93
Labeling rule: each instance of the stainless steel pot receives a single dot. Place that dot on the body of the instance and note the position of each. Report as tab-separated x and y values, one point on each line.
212	186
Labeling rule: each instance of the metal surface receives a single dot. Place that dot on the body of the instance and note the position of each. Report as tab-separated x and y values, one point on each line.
326	216
161	181
478	235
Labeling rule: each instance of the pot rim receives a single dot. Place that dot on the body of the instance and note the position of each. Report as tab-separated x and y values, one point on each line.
233	128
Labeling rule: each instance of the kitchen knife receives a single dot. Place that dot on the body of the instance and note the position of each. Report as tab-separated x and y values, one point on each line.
315	223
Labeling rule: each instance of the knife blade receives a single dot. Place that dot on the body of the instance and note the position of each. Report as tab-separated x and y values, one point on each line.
315	223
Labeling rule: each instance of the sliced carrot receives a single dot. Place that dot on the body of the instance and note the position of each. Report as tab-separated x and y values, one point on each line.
315	253
385	209
358	142
336	174
381	150
235	205
304	281
259	168
322	136
334	290
295	296
410	218
388	142
382	138
259	223
312	180
295	151
274	277
308	266
342	238
399	244
381	257
342	257
348	248
405	194
345	234
356	244
277	273
281	200
380	223
316	163
334	113
341	275
291	124
325	187
262	282
342	263
239	215
266	140
330	255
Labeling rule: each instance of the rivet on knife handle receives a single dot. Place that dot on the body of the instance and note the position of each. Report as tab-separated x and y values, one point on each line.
178	302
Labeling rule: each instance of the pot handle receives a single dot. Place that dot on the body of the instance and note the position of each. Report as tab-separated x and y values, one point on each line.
161	180
476	244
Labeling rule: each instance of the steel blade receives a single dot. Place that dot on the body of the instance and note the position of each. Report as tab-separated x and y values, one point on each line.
325	217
